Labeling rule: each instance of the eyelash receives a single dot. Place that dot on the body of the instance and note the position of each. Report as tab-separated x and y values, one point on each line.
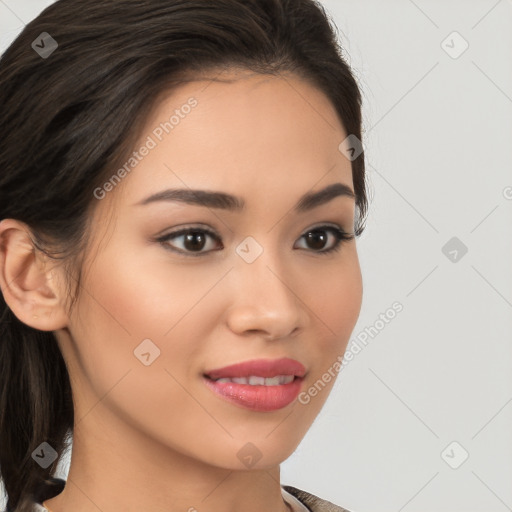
340	235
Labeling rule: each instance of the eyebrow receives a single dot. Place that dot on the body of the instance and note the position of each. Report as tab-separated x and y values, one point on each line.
221	200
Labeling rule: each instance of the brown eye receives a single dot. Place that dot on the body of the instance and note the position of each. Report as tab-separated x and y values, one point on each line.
317	238
194	240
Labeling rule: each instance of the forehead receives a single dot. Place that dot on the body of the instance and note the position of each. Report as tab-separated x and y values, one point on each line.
242	133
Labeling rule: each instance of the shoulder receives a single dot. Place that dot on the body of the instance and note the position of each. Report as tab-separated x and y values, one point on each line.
312	502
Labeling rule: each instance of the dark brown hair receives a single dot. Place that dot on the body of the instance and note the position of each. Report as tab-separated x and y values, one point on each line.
69	119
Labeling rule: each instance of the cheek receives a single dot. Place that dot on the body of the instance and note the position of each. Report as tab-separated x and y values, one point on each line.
127	299
335	299
119	307
144	297
336	308
122	303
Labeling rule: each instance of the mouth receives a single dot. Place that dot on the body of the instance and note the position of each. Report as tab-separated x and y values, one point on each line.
257	397
259	368
259	385
256	380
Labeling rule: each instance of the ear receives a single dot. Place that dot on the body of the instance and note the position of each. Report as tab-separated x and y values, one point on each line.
30	287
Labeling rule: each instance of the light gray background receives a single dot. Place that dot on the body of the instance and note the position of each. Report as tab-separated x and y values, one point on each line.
438	141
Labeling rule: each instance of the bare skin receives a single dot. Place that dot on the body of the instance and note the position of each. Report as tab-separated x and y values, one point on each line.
155	438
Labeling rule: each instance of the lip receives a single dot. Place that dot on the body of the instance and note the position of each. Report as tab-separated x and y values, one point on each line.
261	367
257	398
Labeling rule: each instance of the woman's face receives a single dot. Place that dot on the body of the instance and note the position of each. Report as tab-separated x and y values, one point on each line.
249	283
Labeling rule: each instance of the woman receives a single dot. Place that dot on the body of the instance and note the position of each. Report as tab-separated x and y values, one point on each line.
181	189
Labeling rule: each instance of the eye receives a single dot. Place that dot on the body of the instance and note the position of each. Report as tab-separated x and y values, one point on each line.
194	241
318	238
198	241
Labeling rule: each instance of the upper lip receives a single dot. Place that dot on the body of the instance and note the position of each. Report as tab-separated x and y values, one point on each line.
259	367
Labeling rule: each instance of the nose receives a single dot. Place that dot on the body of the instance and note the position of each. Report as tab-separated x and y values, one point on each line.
265	301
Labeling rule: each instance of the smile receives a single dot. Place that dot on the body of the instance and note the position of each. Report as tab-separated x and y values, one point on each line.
254	380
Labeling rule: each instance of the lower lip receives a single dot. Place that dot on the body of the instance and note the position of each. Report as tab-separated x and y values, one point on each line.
257	398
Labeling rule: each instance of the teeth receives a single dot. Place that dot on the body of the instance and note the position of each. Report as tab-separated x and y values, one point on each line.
254	380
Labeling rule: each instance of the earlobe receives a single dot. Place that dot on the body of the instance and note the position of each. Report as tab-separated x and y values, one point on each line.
27	281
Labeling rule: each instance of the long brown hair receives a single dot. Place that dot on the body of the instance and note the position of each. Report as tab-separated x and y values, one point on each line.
71	117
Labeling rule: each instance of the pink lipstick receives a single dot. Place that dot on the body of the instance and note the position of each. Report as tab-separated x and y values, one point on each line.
259	385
